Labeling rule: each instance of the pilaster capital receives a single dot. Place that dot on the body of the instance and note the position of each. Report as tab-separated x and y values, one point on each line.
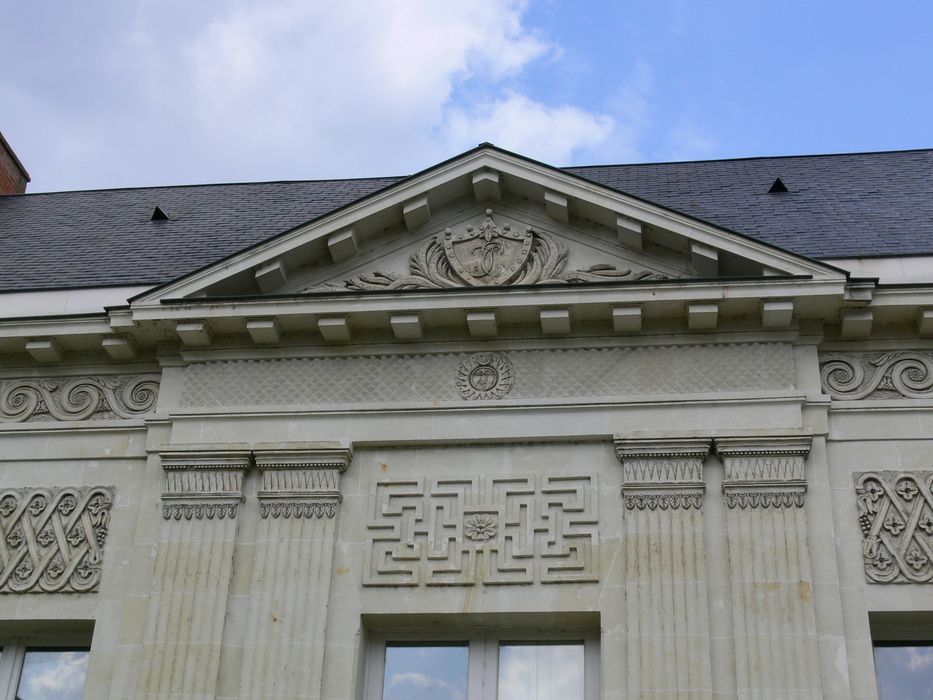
764	472
203	481
662	472
301	480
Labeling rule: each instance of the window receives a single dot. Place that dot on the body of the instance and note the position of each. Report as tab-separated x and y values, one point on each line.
29	671
504	664
903	651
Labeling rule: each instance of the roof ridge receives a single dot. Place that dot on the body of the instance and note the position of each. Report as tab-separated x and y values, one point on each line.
137	188
743	158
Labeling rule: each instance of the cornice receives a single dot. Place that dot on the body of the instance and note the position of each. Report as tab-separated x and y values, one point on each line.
791	446
661	448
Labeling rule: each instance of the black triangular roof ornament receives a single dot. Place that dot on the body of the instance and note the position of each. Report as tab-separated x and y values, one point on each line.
158	215
778	186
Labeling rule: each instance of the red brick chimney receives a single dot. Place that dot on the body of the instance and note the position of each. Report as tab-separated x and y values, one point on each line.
13	176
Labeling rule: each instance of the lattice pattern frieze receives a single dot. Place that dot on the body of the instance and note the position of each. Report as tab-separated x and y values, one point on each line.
52	540
483	529
895	514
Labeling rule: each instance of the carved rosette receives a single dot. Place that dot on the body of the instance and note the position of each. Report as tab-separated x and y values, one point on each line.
491	255
77	398
895	514
764	472
662	474
301	483
484	375
202	484
52	540
902	374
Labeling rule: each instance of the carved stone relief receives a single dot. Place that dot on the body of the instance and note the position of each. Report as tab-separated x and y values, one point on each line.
764	472
301	484
484	375
79	398
885	375
895	514
490	255
483	529
203	485
662	474
52	540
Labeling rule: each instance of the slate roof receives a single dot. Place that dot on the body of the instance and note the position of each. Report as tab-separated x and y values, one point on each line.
851	205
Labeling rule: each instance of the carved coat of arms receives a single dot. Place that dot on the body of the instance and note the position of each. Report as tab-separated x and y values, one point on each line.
489	256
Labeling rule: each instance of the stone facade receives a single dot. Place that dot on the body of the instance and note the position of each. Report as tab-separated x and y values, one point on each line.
239	492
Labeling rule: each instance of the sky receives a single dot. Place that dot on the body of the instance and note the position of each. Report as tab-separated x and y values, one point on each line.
154	92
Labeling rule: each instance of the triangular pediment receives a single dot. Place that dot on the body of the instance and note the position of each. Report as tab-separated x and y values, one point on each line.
490	219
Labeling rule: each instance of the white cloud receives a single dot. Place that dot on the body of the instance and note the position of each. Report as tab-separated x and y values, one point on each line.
551	134
280	89
61	678
420	681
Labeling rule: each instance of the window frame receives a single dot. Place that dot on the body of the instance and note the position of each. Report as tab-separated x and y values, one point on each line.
483	654
13	650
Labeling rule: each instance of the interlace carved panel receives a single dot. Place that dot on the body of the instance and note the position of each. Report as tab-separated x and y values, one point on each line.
79	398
490	255
483	529
880	375
52	540
895	514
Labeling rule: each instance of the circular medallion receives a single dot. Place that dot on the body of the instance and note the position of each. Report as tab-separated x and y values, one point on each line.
483	376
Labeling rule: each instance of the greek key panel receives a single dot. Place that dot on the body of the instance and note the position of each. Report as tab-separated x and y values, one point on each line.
879	375
895	514
485	377
483	530
52	540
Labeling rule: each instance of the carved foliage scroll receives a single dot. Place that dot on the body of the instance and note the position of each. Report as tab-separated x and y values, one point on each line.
491	255
851	376
895	514
80	398
490	530
52	540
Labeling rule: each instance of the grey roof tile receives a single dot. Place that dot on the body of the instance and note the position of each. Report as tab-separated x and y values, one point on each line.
848	205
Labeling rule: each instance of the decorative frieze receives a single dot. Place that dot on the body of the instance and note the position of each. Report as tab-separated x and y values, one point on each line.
301	483
895	514
483	529
77	398
490	255
879	375
52	540
464	377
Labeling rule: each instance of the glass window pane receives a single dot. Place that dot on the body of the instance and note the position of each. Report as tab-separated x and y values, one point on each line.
436	672
541	671
904	673
53	675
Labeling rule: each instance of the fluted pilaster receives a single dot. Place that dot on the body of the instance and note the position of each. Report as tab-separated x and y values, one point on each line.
193	565
777	654
666	603
298	503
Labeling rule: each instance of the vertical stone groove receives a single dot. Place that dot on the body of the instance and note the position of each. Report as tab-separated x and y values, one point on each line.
776	647
298	502
665	555
191	573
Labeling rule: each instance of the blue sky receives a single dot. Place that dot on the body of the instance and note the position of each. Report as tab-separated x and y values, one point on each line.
102	94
